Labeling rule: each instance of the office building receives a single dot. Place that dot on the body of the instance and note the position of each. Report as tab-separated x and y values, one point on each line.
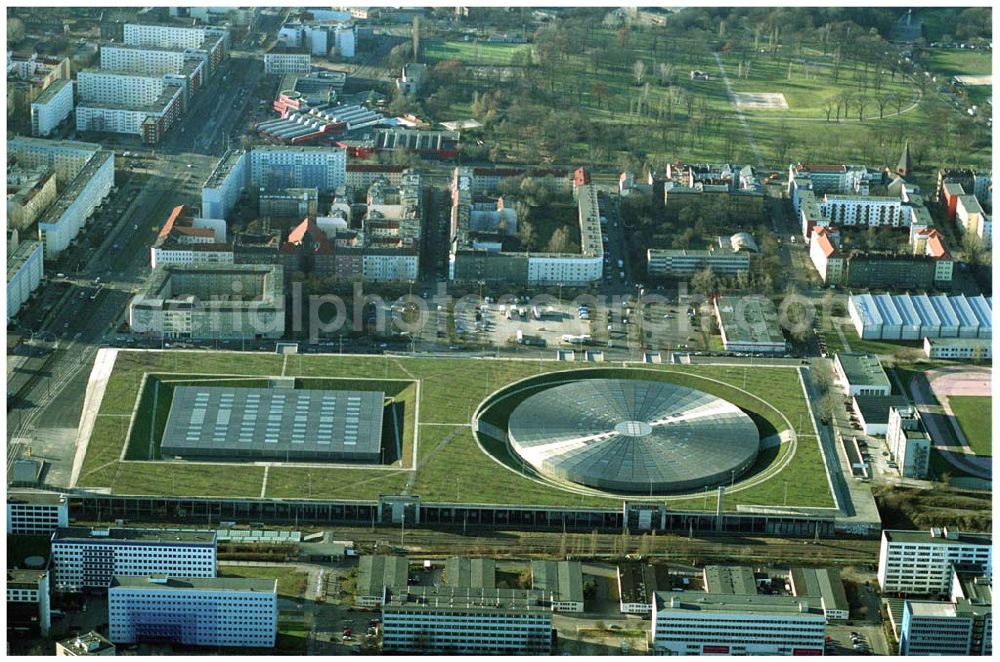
466	621
873	411
920	562
36	513
24	274
187	240
376	574
560	583
281	63
861	374
972	595
51	107
231	612
934	628
89	558
206	301
732	579
278	423
749	324
84	174
905	316
85	645
908	441
695	623
28	602
824	585
683	263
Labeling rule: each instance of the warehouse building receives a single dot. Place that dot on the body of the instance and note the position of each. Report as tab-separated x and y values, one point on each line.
90	558
206	301
908	441
185	611
824	585
463	572
36	513
695	623
636	586
731	579
861	374
560	582
749	324
920	562
274	423
466	621
376	575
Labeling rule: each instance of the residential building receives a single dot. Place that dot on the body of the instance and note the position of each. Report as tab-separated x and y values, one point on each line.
959	349
636	586
733	579
749	324
466	621
89	558
30	74
411	78
276	167
84	176
378	574
193	64
36	513
734	190
90	643
213	41
823	251
30	191
206	301
281	63
51	107
885	317
861	374
231	612
920	562
695	623
222	189
360	176
24	273
488	181
873	411
908	441
28	602
560	584
290	203
187	240
825	585
684	263
972	219
112	101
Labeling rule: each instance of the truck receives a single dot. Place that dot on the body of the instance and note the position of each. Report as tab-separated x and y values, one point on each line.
576	340
536	312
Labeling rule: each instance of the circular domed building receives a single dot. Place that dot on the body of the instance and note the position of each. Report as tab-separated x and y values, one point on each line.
635	436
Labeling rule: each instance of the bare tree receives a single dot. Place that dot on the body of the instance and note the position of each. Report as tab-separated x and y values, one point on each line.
828	107
666	72
882	100
639	70
861	102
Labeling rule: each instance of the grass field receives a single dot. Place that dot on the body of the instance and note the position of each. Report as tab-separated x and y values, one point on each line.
450	464
973	414
473	52
959	62
291	582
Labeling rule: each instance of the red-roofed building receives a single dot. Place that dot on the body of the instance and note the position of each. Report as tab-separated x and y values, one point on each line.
930	242
951	191
824	245
308	250
187	240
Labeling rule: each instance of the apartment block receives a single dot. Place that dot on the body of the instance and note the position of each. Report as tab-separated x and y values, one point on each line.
90	558
683	263
281	63
51	107
24	274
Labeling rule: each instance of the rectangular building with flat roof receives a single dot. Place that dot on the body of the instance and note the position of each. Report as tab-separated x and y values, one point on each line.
90	558
461	571
214	612
732	579
36	513
861	374
695	623
636	585
921	562
290	424
934	628
466	621
749	324
681	263
28	604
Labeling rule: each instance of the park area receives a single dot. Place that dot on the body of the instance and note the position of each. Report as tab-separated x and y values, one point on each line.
973	414
477	53
450	465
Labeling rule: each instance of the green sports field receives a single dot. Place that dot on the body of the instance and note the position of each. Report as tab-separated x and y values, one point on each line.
973	414
450	466
475	52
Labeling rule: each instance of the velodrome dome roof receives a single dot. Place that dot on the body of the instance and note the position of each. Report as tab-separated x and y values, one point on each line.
633	435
